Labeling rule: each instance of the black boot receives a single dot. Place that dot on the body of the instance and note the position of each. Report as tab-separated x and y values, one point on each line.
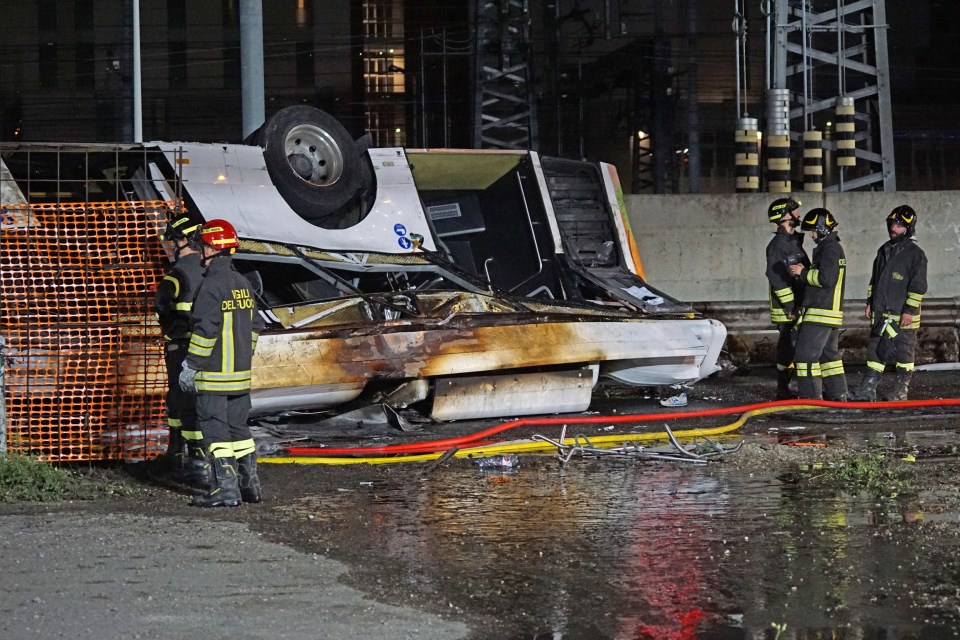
174	458
199	470
866	391
783	385
900	387
225	491
249	481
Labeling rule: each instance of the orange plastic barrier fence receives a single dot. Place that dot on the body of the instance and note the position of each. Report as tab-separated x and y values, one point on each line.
85	378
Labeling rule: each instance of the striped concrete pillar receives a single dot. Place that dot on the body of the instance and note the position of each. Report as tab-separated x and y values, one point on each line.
778	164
812	160
778	141
747	157
845	130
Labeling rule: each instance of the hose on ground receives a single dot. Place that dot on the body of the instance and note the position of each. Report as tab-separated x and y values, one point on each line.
467	445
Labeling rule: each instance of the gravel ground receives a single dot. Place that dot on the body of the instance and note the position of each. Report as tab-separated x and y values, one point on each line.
80	571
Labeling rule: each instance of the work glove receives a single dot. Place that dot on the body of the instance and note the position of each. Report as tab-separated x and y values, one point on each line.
188	379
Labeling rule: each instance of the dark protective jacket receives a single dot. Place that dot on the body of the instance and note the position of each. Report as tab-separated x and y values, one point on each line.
823	298
898	282
785	290
173	301
225	328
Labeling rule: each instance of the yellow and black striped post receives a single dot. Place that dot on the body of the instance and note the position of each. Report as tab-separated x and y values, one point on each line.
747	157
778	164
812	160
845	130
778	141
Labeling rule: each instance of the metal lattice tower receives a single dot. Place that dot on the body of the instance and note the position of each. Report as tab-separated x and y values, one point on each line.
504	113
828	53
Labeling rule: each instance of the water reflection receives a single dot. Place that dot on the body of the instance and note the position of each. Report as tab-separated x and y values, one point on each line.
619	549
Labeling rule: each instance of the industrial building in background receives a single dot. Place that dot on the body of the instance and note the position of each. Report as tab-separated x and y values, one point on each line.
827	96
659	89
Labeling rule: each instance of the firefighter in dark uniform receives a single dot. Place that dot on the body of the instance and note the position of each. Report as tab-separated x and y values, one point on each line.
786	290
223	337
897	286
820	371
173	303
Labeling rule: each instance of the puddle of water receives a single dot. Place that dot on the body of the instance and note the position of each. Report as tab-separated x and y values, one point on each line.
617	549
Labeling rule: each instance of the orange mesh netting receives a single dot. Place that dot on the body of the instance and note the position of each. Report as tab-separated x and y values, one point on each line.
85	378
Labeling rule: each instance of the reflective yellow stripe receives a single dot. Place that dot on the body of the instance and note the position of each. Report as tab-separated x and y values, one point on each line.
176	285
837	289
895	318
226	342
876	366
223	376
889	331
823	316
212	387
217	381
834	368
785	295
906	366
174	423
813	277
243	447
184	306
869	290
200	346
221	449
193	436
808	369
778	315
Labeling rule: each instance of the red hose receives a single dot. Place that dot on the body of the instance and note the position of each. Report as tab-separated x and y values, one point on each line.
432	446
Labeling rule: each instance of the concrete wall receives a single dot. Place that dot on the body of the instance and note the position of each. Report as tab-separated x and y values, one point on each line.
711	247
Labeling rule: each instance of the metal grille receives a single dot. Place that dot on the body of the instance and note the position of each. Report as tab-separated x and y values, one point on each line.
84	376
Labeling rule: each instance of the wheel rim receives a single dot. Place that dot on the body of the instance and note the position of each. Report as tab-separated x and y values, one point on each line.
314	155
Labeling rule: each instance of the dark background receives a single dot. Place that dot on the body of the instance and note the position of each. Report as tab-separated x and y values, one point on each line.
404	71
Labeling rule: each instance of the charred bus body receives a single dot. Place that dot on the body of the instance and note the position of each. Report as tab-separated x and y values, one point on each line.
478	283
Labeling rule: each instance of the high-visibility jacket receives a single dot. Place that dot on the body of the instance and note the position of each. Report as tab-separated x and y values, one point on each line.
825	279
173	301
785	290
898	281
225	328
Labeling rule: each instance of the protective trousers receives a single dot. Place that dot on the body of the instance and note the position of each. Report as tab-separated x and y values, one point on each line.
820	373
181	405
890	342
223	421
786	344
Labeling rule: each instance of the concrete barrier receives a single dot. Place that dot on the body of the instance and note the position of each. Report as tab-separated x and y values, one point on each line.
709	250
711	247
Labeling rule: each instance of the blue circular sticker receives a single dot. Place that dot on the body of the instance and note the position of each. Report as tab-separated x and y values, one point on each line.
404	243
399	229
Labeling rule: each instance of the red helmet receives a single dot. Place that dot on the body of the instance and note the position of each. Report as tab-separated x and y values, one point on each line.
219	234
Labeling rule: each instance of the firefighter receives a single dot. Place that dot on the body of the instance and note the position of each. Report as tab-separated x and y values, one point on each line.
185	455
786	290
817	356
897	286
224	334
